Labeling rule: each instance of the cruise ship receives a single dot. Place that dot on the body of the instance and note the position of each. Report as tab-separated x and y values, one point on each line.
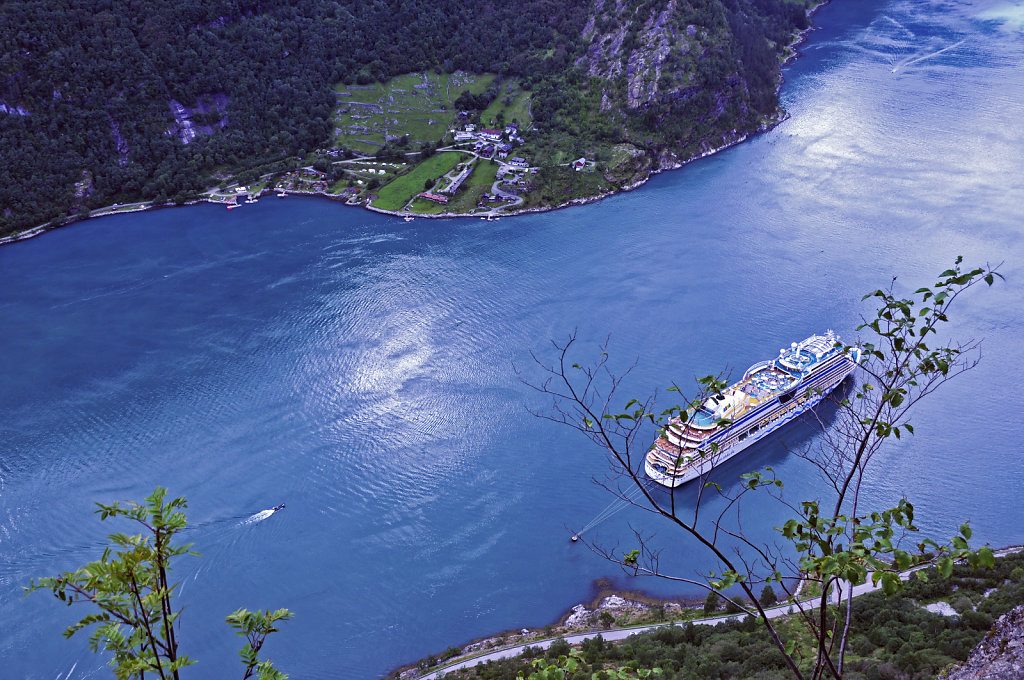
771	394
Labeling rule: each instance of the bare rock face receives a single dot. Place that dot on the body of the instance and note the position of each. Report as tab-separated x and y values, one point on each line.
578	616
657	51
1000	656
612	602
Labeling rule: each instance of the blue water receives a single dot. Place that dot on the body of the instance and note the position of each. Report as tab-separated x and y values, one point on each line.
361	369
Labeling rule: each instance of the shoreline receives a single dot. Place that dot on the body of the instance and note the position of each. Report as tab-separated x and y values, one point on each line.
513	642
779	117
116	209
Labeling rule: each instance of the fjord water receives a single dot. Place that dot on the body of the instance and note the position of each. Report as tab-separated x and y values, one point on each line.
361	369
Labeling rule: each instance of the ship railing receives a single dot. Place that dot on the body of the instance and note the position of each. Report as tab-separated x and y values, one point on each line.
683	431
672	465
680	459
676	458
757	367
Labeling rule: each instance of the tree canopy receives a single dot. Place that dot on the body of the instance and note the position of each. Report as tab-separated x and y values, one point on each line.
111	101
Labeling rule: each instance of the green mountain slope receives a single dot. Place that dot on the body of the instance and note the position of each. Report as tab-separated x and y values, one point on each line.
105	101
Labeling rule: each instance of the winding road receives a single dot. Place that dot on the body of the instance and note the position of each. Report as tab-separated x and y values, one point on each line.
623	633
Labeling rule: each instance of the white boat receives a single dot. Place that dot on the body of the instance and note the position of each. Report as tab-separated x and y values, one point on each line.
770	394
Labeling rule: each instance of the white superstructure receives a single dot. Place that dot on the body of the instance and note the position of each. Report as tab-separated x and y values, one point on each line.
770	394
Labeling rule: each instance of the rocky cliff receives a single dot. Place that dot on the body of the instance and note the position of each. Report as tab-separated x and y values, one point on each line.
1000	656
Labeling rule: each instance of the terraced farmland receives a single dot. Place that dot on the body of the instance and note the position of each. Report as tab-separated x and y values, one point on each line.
418	104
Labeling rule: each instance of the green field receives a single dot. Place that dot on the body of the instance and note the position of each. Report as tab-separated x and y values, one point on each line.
417	104
339	186
513	103
396	194
421	206
478	183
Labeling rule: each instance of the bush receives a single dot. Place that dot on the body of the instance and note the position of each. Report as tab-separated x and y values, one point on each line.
862	646
977	620
558	648
962	604
883	671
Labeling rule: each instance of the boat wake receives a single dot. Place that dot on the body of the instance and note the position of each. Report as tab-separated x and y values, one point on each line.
927	56
898	25
261	515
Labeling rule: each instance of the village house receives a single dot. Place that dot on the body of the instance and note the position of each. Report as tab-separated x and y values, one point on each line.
518	162
463	136
457	182
493	135
579	164
504	150
436	198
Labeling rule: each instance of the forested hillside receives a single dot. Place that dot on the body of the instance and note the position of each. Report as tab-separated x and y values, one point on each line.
105	101
898	637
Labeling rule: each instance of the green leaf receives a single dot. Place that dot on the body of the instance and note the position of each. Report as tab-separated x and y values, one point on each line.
789	528
891	583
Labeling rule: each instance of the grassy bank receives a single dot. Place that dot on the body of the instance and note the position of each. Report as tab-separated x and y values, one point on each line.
397	193
476	185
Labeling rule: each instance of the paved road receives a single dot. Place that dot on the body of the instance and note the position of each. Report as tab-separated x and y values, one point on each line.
623	633
516	200
617	634
119	207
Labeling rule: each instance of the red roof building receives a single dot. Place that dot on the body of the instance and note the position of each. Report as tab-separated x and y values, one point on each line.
436	198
